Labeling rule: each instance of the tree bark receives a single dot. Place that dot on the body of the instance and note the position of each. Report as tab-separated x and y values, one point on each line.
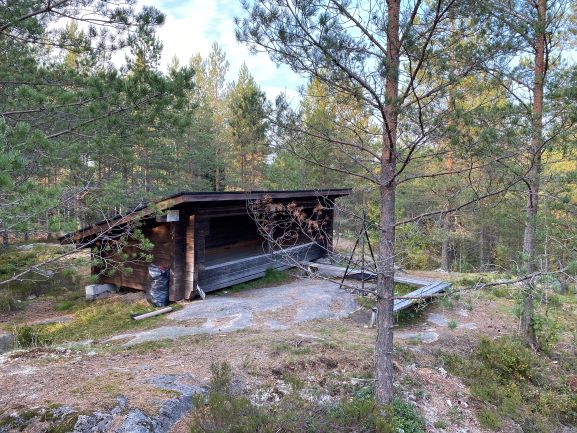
534	174
386	262
563	262
217	180
485	249
445	246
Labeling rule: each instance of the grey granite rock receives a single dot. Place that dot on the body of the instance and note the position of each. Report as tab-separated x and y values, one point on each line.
98	422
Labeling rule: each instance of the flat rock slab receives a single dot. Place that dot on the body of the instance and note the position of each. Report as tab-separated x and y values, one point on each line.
440	320
424	337
292	303
6	341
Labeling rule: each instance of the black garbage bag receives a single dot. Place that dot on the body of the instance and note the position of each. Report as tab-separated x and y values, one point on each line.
157	290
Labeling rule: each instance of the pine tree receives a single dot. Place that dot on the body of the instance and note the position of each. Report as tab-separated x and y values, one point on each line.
248	124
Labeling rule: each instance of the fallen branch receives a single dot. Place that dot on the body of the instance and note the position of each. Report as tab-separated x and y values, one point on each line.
151	314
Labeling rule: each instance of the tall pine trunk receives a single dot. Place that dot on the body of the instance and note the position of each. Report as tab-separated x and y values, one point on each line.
485	249
534	175
217	173
5	238
386	263
445	246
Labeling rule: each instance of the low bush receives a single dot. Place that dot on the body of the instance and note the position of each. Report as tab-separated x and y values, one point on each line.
510	381
507	356
488	419
501	291
547	331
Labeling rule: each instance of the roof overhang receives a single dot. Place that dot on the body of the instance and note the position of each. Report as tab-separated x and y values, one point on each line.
200	198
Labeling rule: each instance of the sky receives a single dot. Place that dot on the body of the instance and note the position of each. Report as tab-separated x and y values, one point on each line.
192	26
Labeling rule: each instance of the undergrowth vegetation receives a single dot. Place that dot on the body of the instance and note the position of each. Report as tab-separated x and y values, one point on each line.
54	279
90	321
223	411
513	384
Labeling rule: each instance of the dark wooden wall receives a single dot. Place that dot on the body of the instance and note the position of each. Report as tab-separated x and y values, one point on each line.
161	237
231	229
181	246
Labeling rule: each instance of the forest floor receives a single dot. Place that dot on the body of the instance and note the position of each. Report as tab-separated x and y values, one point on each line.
70	368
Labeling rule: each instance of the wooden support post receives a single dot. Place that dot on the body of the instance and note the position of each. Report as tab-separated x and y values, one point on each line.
191	274
177	288
196	231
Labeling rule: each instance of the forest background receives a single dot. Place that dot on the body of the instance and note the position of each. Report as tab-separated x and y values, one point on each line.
84	139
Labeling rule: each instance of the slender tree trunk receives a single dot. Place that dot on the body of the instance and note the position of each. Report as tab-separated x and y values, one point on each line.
5	239
534	175
447	226
482	249
386	262
445	246
217	180
242	171
485	249
563	261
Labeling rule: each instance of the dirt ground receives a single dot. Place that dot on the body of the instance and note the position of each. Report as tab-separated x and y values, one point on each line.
329	355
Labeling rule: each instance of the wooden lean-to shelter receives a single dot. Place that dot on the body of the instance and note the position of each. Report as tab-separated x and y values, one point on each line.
212	240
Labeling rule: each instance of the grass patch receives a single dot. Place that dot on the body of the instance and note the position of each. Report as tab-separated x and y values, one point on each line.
271	278
292	349
91	321
224	412
65	305
440	424
9	301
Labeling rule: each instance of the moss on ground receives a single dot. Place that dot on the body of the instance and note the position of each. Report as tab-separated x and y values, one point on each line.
66	425
90	321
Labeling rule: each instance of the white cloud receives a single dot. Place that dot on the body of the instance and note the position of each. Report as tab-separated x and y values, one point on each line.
193	25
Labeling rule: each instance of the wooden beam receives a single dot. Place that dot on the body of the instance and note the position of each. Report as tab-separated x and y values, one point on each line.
205	200
191	274
178	231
